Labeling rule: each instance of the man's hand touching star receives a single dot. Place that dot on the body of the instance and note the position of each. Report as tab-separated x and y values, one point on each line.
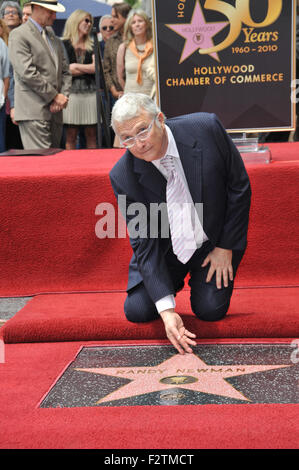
177	334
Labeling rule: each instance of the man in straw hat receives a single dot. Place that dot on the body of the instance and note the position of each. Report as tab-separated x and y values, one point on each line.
42	78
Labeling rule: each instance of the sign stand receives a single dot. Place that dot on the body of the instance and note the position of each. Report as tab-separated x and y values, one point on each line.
250	150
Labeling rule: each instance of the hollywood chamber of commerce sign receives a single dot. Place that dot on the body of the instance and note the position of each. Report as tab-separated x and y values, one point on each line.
232	57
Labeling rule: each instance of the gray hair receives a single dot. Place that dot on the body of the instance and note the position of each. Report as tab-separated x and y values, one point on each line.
130	105
12	5
104	17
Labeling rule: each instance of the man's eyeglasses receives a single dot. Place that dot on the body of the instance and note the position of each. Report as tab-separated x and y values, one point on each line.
142	136
110	28
88	21
10	12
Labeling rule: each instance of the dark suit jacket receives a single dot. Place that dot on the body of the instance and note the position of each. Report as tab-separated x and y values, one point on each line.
216	177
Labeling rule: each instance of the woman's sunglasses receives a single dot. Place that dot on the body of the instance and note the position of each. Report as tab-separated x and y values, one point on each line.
88	21
110	28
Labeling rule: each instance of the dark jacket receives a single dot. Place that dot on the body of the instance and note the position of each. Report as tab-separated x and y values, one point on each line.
216	177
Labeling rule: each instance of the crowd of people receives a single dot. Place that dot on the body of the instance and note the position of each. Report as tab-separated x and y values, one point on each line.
48	83
67	67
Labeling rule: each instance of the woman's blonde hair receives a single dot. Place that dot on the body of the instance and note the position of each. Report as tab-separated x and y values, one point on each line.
128	36
71	28
5	31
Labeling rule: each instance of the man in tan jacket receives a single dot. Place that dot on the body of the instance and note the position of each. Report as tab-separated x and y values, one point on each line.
42	78
119	15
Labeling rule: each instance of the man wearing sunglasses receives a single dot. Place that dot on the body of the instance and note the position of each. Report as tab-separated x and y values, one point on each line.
189	165
42	78
106	27
119	12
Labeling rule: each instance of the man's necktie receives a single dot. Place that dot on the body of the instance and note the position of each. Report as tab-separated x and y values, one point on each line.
50	47
179	213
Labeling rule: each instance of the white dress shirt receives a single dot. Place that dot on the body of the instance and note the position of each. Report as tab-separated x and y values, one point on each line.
169	301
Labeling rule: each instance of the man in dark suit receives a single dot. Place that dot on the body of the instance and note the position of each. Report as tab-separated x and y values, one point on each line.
212	178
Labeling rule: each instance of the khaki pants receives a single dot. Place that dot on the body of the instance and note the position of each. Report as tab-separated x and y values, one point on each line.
41	134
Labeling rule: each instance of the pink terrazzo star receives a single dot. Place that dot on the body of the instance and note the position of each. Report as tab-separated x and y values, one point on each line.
180	371
198	34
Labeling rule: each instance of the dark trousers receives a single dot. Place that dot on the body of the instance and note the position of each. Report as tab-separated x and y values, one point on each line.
207	301
2	129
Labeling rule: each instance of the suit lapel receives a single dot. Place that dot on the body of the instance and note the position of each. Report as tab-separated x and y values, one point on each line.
150	177
39	38
54	56
191	157
54	45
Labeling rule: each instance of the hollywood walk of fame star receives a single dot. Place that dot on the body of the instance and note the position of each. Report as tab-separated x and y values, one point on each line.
180	371
198	34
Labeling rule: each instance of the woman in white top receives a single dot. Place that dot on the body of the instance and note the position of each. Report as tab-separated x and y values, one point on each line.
135	56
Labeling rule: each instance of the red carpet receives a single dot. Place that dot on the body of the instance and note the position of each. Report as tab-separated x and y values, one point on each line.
48	239
31	369
49	247
254	313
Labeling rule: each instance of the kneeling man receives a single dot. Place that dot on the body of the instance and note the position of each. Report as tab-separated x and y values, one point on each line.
189	164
